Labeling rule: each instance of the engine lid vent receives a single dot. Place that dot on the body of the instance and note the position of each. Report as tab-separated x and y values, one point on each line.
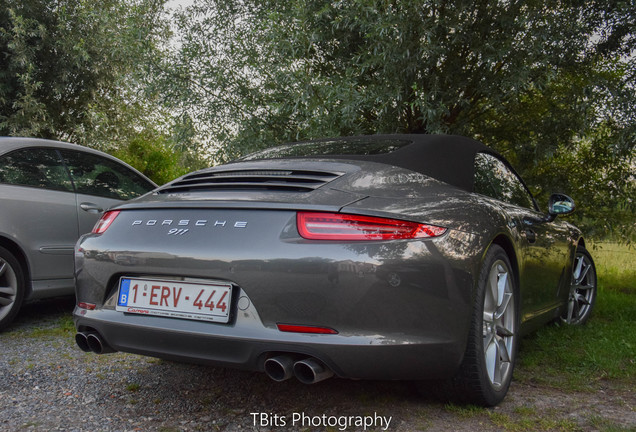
256	179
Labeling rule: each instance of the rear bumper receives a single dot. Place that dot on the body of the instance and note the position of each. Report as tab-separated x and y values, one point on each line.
246	344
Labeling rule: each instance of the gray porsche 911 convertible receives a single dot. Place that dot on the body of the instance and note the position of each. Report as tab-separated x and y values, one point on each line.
396	257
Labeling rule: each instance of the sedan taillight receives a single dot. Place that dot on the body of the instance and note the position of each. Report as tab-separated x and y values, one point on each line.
104	222
336	226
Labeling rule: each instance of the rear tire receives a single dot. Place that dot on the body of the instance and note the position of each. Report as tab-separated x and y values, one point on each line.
486	370
11	287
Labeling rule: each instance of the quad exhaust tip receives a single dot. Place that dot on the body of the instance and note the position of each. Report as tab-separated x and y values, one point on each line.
82	341
311	371
92	342
279	368
307	371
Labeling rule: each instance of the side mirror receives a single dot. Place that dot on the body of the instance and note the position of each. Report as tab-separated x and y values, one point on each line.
559	204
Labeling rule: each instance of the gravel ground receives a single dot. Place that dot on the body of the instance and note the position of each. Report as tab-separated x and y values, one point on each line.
47	383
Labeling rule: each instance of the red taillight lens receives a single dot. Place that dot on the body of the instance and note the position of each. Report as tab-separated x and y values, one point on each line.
336	226
293	328
104	222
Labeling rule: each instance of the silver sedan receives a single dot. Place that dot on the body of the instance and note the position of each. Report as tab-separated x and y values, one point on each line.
51	193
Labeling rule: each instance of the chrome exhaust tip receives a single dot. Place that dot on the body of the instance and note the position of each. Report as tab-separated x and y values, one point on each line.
82	341
279	368
97	345
311	371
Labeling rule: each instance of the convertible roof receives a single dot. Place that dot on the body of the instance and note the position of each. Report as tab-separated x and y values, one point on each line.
449	158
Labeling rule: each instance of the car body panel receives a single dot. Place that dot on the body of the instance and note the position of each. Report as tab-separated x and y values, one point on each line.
547	264
27	217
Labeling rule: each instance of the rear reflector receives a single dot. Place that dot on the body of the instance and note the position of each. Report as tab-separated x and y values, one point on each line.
89	306
305	329
336	226
104	222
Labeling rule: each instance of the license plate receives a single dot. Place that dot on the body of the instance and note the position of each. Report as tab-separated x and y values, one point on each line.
197	301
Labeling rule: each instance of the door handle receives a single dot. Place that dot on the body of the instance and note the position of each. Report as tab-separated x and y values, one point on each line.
531	236
91	208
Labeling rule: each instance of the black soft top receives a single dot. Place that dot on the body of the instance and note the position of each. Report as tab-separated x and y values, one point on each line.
449	158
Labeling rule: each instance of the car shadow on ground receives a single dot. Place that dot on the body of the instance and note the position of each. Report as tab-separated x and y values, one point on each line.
205	382
43	313
165	390
200	384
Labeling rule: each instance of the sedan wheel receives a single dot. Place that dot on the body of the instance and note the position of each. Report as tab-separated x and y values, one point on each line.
11	287
582	289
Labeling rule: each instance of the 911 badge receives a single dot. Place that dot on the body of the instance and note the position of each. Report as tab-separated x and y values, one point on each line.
178	231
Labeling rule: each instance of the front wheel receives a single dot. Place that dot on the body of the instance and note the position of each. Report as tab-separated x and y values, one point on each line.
582	289
11	287
486	371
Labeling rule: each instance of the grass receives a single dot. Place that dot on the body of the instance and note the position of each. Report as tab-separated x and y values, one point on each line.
467	411
606	425
60	327
133	387
531	423
603	349
524	419
616	265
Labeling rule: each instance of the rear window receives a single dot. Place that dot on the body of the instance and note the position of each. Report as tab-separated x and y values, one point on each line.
352	147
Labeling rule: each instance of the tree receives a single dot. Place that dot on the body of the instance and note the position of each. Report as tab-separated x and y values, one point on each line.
575	135
531	78
152	155
77	71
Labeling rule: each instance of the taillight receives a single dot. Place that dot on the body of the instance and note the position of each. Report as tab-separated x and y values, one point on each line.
336	226
104	222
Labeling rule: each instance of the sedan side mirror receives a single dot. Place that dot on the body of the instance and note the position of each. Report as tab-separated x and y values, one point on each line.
559	204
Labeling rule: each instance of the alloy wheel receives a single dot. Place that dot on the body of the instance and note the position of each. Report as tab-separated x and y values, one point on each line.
582	289
499	324
8	288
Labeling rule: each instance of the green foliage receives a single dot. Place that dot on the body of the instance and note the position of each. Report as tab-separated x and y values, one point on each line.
576	136
77	71
547	83
154	156
71	69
